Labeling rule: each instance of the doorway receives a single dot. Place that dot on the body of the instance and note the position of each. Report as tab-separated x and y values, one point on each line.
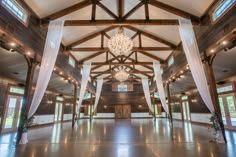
58	112
186	113
122	111
12	113
228	110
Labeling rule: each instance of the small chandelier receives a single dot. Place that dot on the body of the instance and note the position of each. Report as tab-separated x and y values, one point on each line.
121	75
120	44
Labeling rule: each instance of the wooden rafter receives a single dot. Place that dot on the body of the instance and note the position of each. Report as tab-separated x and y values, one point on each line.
91	56
137	33
146	11
128	56
68	10
133	10
93	16
85	49
153	22
129	72
110	60
163	41
126	63
109	12
120	8
80	41
173	10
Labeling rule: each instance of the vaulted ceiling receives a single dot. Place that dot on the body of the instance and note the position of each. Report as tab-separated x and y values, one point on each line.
152	24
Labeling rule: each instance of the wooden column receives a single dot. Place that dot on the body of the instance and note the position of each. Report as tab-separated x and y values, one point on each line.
169	101
213	90
74	105
27	95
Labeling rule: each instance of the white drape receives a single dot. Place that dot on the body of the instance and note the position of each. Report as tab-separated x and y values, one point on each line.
147	92
50	52
84	82
193	57
160	88
98	91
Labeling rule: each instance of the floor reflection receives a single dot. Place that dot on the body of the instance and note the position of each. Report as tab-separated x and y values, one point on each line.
120	138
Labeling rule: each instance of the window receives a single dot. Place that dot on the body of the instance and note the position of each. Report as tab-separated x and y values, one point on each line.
15	8
184	97
170	61
71	61
225	89
221	8
59	98
87	95
17	90
122	88
156	95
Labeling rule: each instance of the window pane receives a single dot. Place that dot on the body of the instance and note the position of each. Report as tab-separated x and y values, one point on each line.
170	61
222	8
122	88
17	90
71	61
16	9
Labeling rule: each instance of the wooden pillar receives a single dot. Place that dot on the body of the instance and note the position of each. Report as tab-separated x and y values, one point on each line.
169	101
153	103
74	105
213	90
27	95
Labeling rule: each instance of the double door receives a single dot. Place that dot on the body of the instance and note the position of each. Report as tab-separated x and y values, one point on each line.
12	113
228	110
122	111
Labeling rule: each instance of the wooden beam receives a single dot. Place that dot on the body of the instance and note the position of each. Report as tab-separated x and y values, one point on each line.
151	56
80	41
120	8
133	10
129	72
85	49
93	16
140	40
102	40
108	37
91	56
137	33
163	41
174	10
154	22
110	60
126	57
109	12
146	11
127	63
68	10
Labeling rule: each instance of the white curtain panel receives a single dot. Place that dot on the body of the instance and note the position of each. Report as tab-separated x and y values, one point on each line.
84	82
98	91
160	88
147	92
193	57
51	48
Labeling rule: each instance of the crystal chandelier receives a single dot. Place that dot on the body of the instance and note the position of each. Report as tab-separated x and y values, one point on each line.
120	44
121	75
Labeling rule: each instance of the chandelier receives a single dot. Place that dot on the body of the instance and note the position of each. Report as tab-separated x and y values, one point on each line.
121	75
120	44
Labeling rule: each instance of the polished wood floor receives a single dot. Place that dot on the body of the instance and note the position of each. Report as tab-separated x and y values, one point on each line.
120	138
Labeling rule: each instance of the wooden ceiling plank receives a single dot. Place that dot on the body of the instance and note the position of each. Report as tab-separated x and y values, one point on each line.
133	10
80	41
163	41
173	10
108	11
68	10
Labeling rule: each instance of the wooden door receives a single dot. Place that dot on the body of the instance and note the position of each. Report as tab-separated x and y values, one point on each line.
122	111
